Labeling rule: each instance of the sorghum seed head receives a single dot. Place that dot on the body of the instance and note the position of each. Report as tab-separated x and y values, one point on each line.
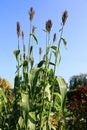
24	48
31	13
18	29
54	38
48	25
40	50
64	17
44	57
33	29
28	58
22	35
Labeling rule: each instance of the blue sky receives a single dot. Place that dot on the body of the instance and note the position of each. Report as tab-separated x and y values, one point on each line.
74	59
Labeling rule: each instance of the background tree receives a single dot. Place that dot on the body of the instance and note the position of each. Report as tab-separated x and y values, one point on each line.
78	80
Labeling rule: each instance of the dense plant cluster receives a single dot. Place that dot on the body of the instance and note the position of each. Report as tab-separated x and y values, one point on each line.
6	101
77	105
6	87
39	95
39	99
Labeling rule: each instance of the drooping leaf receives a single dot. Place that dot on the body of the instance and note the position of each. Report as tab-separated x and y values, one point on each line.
16	53
63	90
64	41
41	63
54	47
25	63
34	37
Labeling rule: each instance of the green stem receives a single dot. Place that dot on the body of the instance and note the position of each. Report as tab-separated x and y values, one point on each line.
47	48
18	59
57	51
29	44
43	106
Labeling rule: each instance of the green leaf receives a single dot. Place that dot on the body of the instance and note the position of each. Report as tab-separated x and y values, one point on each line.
2	95
64	41
58	95
16	53
63	90
25	63
51	63
47	92
54	48
41	63
34	37
31	48
31	120
21	122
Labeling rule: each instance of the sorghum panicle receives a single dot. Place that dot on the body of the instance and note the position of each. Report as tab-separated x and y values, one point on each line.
33	29
22	35
44	57
48	25
54	38
40	50
24	48
28	58
18	29
31	13
64	17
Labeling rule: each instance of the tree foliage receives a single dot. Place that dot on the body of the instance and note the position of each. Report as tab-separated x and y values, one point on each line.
78	80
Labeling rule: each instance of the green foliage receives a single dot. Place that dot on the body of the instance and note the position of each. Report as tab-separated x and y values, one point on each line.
77	81
76	104
32	34
6	102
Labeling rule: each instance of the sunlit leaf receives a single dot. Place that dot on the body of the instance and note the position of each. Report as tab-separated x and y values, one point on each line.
21	122
63	90
16	53
31	120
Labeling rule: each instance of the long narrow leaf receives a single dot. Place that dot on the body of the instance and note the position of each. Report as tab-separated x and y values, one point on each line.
34	37
41	63
63	89
54	47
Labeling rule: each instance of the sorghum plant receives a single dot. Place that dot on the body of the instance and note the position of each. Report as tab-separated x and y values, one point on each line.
39	94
